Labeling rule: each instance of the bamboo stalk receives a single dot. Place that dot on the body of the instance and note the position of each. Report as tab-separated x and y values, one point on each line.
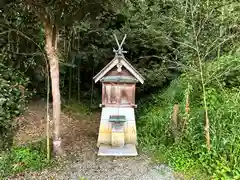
206	128
78	73
48	119
70	70
92	86
70	84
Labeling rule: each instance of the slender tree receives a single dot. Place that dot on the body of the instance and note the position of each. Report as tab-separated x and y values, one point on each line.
54	15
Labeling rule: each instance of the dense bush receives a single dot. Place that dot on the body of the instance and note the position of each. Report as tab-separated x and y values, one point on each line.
13	94
188	151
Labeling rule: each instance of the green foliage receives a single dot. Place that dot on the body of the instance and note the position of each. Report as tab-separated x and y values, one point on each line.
189	151
18	159
77	109
157	35
164	39
82	178
13	94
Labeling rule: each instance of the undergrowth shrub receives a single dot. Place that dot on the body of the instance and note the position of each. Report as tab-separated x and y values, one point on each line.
28	157
77	109
188	151
13	96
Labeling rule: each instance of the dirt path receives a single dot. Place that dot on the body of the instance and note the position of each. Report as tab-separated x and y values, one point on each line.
81	161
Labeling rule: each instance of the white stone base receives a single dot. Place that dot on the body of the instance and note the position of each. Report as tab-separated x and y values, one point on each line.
105	129
127	150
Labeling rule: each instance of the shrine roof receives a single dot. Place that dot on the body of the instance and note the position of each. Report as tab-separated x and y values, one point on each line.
118	60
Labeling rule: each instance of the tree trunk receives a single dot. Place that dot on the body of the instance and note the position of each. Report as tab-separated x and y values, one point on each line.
51	50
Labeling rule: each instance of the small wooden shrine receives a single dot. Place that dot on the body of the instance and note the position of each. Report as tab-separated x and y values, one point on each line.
117	131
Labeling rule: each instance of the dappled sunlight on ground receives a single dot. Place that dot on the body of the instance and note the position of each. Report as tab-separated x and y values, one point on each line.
77	133
79	138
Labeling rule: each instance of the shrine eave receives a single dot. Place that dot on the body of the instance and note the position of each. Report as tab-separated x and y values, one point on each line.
123	79
115	62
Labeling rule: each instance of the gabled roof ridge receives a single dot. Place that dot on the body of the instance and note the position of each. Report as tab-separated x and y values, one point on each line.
132	67
113	63
104	67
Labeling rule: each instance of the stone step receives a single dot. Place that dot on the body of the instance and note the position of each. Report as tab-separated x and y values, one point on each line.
126	150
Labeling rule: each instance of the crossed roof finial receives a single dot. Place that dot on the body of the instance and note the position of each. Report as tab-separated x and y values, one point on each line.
120	50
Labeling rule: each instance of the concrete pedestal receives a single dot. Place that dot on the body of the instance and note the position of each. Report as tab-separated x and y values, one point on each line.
117	141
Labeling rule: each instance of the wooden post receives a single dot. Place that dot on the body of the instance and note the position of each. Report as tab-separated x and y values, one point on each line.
174	125
186	110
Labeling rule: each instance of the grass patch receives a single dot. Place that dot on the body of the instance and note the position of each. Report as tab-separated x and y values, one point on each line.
29	157
184	147
76	109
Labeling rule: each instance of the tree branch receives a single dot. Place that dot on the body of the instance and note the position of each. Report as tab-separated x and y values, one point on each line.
209	50
39	10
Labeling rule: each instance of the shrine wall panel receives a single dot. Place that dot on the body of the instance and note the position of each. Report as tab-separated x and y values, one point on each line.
118	94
